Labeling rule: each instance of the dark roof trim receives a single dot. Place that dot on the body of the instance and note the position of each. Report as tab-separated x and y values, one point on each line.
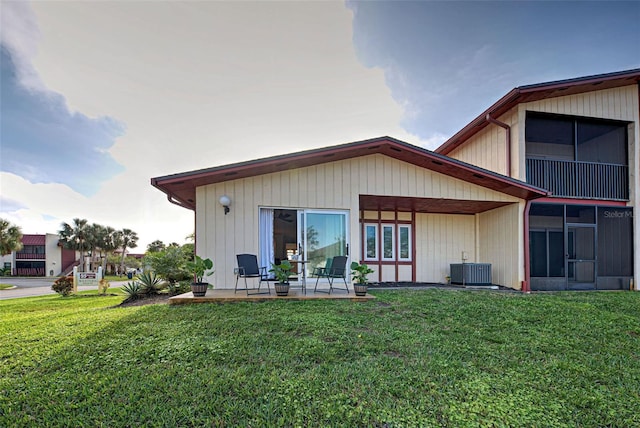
28	239
537	92
180	188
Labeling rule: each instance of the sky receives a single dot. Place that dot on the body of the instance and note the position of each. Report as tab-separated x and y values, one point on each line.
98	97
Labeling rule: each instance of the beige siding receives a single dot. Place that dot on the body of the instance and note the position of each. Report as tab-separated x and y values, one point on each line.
488	149
441	239
500	238
334	185
617	104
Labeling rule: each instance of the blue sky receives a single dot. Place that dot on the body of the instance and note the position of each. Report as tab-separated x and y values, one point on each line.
97	98
44	142
448	61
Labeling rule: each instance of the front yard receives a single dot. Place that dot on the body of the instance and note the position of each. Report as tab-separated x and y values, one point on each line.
409	358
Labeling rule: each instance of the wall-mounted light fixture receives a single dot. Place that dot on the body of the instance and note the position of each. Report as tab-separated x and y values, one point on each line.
225	201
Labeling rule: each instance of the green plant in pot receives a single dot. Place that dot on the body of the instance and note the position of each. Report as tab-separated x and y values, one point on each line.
200	268
282	272
359	274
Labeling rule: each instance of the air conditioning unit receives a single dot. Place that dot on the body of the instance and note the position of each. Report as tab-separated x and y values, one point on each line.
471	273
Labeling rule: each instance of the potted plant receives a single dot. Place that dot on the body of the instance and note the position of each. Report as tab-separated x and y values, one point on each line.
359	274
281	272
200	268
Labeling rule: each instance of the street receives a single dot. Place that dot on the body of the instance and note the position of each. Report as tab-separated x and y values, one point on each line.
27	287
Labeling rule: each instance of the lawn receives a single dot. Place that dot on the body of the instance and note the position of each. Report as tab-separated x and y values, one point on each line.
409	358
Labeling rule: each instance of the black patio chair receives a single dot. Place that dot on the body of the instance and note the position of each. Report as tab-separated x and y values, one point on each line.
248	268
337	269
317	271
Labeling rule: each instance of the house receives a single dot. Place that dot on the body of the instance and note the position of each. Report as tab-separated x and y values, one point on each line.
579	139
41	255
510	190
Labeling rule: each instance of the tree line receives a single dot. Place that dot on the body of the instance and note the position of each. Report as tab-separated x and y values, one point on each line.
96	239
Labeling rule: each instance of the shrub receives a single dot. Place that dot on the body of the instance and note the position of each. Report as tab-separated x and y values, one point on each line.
150	283
179	287
169	264
103	286
63	285
133	290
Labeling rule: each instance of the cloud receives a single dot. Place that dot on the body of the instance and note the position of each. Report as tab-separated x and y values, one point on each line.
8	205
445	62
230	81
44	142
21	35
42	207
41	139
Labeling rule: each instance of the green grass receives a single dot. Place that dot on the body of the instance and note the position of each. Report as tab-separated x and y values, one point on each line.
113	278
409	358
5	286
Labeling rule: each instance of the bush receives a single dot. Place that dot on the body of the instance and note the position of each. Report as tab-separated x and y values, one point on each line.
63	285
179	287
169	264
103	286
150	283
133	290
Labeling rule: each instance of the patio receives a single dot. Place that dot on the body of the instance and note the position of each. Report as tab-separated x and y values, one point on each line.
228	295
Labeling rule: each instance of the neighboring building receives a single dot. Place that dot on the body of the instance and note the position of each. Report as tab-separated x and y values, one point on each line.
41	255
409	213
578	139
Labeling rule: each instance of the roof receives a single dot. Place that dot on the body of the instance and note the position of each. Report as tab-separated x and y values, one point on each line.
34	239
180	188
539	91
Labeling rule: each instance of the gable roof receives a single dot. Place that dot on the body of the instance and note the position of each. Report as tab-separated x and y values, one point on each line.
180	188
539	91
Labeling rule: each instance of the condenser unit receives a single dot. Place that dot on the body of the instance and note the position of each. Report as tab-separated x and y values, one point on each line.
471	273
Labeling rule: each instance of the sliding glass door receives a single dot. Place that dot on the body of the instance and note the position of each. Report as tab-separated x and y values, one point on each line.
323	235
313	235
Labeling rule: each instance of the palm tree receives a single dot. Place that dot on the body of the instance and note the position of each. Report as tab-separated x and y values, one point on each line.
129	240
155	246
111	242
74	236
96	236
10	237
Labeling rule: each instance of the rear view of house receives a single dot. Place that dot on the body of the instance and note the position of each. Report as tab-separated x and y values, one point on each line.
405	211
526	188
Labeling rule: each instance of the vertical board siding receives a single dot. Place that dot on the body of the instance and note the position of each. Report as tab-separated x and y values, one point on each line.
440	241
487	149
334	185
616	103
500	240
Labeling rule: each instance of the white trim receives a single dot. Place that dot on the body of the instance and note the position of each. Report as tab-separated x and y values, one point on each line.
409	245
392	228
376	239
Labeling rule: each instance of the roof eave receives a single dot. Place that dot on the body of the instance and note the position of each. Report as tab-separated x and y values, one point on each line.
180	188
524	93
